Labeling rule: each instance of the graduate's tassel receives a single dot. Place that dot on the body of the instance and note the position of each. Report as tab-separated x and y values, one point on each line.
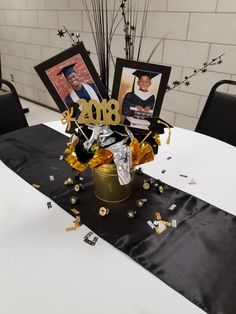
169	131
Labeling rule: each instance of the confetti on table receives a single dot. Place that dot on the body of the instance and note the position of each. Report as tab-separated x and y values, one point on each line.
174	223
151	224
51	178
192	182
183	175
49	205
75	211
61	157
161	227
163	171
76	223
37	186
168	158
172	207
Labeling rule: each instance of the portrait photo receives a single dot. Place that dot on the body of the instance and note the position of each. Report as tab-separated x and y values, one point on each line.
139	88
70	76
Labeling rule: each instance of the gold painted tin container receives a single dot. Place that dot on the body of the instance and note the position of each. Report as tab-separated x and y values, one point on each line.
106	185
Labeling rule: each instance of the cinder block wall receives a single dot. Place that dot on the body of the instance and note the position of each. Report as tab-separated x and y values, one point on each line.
194	32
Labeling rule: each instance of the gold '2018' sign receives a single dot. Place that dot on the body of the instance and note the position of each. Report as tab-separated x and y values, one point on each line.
92	111
99	113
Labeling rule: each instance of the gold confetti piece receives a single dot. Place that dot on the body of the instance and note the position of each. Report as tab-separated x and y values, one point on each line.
75	211
37	186
146	186
161	228
166	223
76	223
69	181
103	211
71	229
158	216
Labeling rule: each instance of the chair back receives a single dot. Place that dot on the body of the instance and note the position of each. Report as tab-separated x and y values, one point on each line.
218	118
11	113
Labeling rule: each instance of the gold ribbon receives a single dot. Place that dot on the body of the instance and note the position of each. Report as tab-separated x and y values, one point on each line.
67	118
102	156
141	153
169	131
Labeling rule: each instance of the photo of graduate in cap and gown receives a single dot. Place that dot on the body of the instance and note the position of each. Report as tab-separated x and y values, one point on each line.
139	103
78	89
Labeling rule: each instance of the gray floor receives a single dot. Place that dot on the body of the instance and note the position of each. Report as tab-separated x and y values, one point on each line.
38	114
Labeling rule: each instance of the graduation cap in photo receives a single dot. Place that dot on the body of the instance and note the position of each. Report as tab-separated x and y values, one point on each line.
67	70
139	73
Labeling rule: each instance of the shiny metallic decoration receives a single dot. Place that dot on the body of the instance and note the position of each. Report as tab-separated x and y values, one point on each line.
78	187
103	211
69	181
122	159
158	187
141	202
74	199
146	185
131	213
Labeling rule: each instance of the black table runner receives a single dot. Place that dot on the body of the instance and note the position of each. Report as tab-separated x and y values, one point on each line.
197	258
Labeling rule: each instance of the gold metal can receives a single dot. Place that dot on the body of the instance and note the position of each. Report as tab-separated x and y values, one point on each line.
106	185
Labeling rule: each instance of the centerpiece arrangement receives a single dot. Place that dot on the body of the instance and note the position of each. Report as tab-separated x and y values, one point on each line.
112	132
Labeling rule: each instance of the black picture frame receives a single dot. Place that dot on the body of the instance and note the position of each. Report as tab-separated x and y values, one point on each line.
84	67
124	84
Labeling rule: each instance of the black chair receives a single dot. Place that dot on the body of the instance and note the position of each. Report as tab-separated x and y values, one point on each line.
218	118
11	113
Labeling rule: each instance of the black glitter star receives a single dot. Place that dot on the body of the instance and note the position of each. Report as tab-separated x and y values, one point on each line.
60	33
122	6
175	83
132	27
204	64
187	83
220	61
186	77
195	71
204	70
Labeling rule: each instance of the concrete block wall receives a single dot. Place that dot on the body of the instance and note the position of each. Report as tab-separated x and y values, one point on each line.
194	32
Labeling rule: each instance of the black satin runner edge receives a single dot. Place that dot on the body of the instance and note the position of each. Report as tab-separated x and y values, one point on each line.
197	258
